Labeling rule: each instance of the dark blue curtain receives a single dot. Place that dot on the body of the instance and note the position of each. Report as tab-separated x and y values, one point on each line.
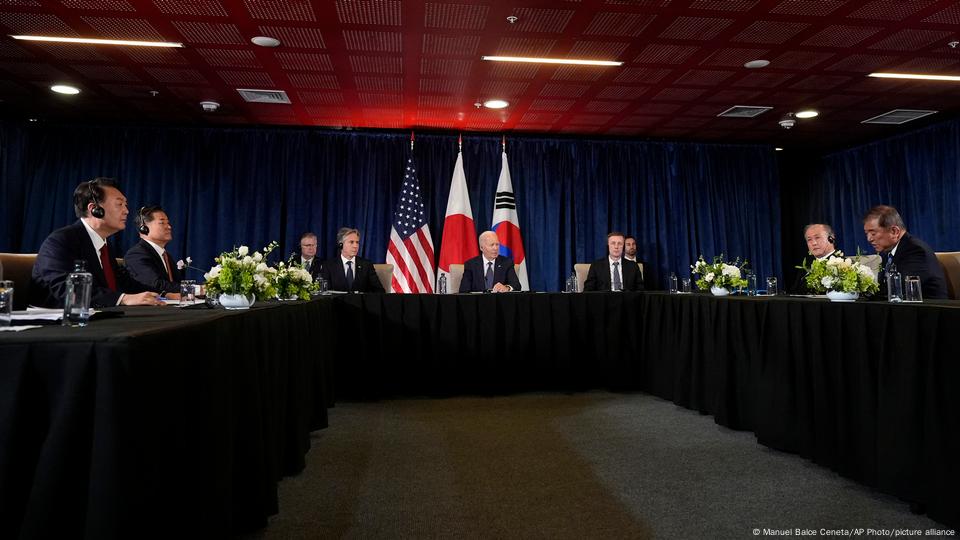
222	187
918	173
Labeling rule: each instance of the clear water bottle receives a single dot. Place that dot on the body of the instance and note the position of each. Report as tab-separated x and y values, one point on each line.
751	284
673	283
442	284
571	283
894	284
76	303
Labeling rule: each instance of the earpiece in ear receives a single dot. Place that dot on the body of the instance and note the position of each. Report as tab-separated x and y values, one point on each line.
98	211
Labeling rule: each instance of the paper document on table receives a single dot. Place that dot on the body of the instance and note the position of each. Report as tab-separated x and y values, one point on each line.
18	328
38	314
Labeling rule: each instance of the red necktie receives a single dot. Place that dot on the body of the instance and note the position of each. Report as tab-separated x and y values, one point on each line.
107	268
166	262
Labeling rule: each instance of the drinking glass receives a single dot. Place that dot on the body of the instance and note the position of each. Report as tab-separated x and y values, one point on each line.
751	284
912	292
6	303
188	292
685	285
771	286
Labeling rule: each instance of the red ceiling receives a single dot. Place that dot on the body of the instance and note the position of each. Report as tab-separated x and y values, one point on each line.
415	64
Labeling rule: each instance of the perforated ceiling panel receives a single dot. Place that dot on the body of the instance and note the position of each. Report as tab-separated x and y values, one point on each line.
416	64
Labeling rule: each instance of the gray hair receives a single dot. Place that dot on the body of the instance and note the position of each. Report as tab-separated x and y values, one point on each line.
346	231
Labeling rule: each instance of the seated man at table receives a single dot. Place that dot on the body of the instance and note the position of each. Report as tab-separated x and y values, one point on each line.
613	272
630	253
102	210
347	272
489	271
148	261
821	243
887	233
308	254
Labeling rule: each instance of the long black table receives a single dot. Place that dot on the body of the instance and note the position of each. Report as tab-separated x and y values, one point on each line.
163	423
867	389
173	420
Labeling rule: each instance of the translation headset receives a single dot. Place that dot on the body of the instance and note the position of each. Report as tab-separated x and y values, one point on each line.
97	211
142	216
832	239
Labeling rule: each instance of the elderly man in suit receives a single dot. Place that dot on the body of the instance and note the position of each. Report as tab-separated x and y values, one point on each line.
148	261
887	234
489	271
347	272
821	243
614	272
102	212
308	254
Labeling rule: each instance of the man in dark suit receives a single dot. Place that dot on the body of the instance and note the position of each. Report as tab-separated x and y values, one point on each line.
148	261
613	272
821	243
308	254
887	234
347	272
489	271
102	210
630	254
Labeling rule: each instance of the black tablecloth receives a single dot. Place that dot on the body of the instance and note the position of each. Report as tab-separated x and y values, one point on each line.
163	423
863	388
172	420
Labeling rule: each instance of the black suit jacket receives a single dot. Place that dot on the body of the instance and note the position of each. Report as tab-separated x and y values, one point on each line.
915	258
364	276
315	265
473	274
146	266
55	262
598	278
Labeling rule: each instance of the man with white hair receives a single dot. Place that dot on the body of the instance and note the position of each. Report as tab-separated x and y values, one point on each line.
489	271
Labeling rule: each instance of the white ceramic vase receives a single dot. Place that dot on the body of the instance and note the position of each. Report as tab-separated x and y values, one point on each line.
237	301
838	296
719	291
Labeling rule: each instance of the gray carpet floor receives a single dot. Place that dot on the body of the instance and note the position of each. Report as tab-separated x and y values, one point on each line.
593	465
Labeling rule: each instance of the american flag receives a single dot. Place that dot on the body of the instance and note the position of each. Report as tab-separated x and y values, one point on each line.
411	248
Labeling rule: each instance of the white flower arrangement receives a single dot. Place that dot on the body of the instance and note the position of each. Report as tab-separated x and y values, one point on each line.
719	274
292	281
840	274
238	272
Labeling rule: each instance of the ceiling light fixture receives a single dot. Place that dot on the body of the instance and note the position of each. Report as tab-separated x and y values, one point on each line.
918	76
65	89
807	114
496	104
778	149
92	41
754	64
265	41
537	60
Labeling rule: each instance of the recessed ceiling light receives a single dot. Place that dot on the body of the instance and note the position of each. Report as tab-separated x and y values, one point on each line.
65	89
539	60
495	104
265	41
754	64
92	41
807	114
778	149
918	76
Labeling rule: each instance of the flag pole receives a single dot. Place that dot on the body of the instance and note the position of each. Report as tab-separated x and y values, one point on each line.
460	142
411	140
503	143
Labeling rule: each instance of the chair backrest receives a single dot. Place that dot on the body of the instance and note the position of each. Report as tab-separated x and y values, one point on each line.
950	261
871	261
18	267
581	269
456	276
385	275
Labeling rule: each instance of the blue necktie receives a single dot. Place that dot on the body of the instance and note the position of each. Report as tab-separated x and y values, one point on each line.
489	276
349	274
617	284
